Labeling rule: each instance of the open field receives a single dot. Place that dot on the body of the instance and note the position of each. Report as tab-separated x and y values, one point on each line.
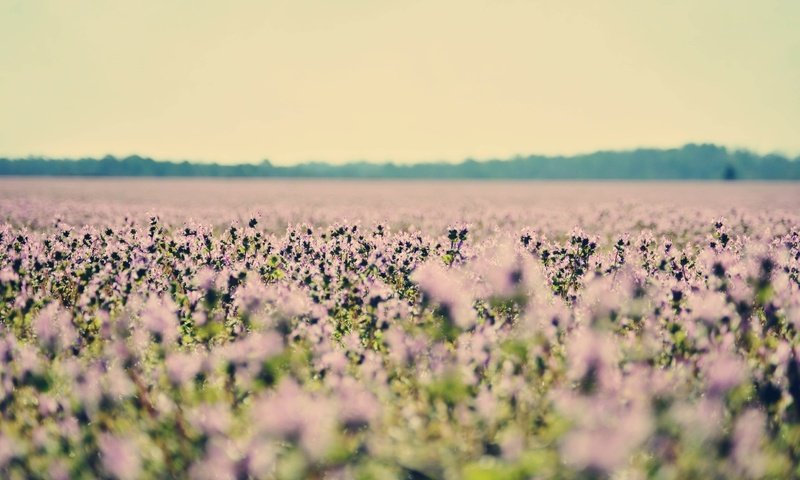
388	329
423	203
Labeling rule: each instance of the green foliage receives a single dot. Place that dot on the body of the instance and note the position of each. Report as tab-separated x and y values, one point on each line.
700	162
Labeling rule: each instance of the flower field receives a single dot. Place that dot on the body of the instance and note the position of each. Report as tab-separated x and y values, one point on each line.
386	330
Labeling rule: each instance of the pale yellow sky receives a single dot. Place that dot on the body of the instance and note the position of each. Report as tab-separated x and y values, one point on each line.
405	80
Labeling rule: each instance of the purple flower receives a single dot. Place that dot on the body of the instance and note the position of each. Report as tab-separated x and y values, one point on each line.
8	450
119	456
748	436
53	328
723	371
159	318
291	414
449	289
183	366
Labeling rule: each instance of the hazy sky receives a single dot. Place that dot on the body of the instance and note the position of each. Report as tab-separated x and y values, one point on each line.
403	80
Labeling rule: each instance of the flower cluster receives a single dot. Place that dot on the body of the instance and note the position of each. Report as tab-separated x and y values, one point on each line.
495	348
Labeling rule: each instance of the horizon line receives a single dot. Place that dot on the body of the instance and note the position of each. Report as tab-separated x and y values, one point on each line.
357	161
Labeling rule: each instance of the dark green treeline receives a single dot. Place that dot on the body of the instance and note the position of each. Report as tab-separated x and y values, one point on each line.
690	162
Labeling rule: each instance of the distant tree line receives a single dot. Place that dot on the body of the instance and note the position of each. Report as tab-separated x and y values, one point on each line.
690	162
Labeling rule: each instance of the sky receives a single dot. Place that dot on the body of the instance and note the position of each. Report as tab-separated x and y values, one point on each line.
403	81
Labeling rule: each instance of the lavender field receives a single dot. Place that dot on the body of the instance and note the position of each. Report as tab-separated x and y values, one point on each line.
236	329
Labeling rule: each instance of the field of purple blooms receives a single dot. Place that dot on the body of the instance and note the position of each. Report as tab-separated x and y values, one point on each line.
410	330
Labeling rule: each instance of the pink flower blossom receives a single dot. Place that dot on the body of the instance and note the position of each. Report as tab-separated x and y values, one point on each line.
119	457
